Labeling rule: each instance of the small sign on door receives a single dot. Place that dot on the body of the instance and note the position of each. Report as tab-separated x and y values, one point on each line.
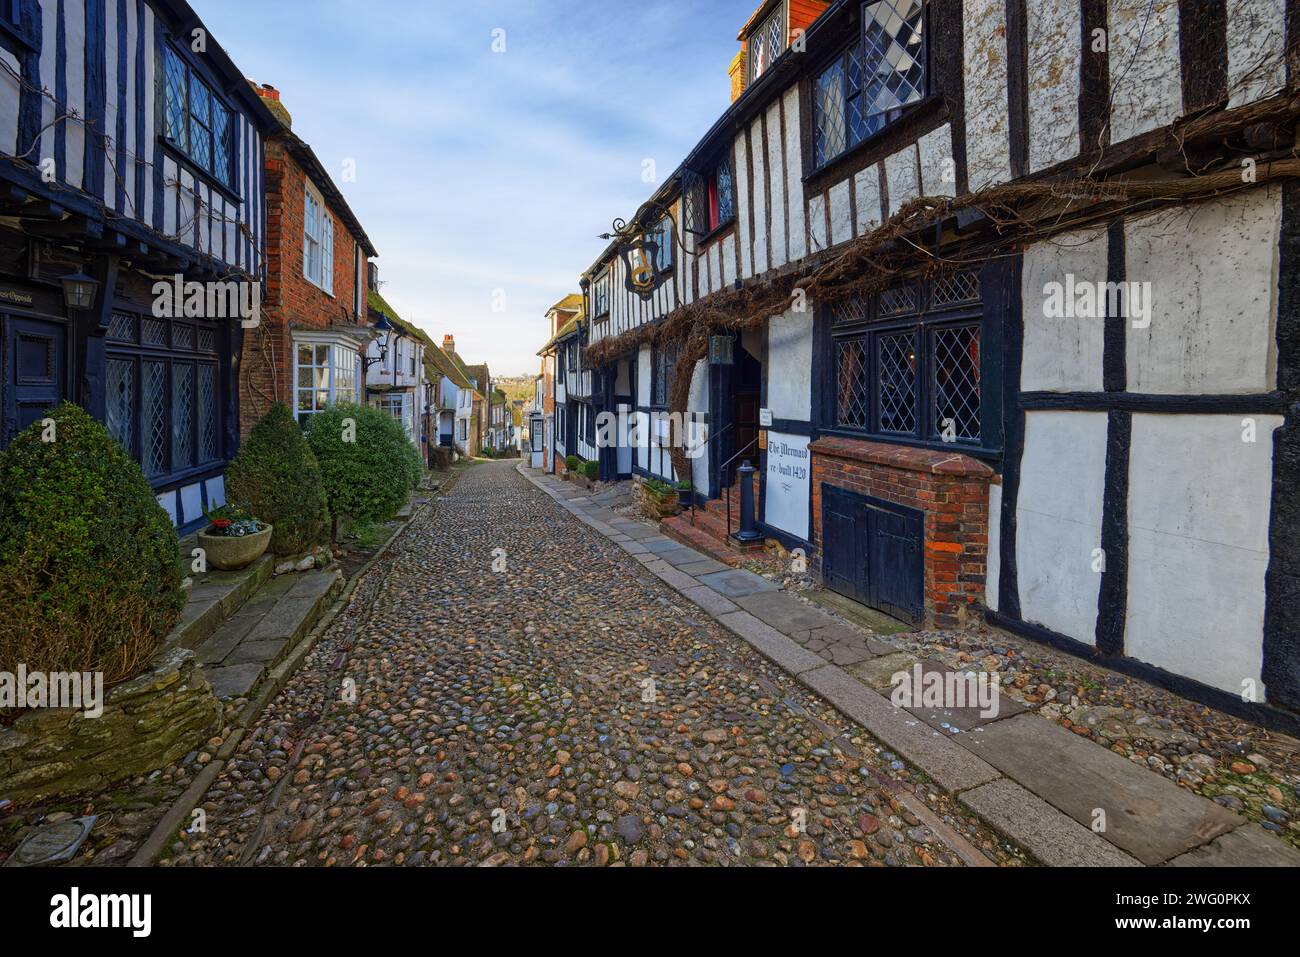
765	418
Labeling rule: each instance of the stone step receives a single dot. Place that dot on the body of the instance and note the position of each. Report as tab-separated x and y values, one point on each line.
215	597
239	653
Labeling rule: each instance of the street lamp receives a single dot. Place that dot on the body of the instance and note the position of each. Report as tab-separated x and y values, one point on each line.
385	328
79	290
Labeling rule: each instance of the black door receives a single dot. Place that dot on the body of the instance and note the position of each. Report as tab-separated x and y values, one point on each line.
873	552
36	371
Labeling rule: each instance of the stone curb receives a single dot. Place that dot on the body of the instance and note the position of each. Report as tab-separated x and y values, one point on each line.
1025	820
162	833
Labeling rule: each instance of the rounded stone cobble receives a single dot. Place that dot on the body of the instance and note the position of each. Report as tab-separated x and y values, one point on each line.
508	687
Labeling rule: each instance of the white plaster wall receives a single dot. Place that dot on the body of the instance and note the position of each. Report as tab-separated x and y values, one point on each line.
699	402
794	174
841	213
1146	86
10	95
902	178
938	169
759	198
993	564
742	206
789	365
817	222
1256	49
643	376
1055	57
1213	271
984	36
1062	354
1058	519
1199	506
776	168
866	185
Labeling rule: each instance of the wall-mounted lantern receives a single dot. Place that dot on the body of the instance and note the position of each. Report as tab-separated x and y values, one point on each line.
79	291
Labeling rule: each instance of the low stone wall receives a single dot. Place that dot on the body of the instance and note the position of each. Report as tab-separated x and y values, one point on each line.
653	506
147	723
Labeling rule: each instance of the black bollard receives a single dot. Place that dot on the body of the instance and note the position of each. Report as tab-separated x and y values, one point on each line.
748	530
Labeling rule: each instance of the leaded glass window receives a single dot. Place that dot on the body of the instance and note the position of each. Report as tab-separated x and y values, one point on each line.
766	43
869	85
709	198
909	361
195	120
120	404
663	373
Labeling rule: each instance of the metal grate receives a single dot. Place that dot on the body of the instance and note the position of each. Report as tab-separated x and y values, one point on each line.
153	332
182	415
956	287
154	415
120	402
122	327
896	382
899	301
851	404
894	56
207	401
766	43
957	383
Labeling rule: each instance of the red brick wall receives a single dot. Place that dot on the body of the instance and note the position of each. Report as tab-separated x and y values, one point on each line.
803	13
951	489
266	375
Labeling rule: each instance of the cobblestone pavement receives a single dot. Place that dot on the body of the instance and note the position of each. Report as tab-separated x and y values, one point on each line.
500	717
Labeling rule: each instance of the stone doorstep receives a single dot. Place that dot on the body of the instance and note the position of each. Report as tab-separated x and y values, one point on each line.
215	597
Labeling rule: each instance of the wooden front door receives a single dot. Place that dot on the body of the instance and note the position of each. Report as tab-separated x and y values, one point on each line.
873	552
36	373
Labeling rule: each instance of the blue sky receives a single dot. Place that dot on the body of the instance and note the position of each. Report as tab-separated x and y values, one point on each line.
479	172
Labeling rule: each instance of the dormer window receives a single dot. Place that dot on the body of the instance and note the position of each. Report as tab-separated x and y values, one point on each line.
870	84
766	43
709	198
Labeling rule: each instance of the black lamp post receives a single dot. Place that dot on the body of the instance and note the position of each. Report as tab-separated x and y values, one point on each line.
385	328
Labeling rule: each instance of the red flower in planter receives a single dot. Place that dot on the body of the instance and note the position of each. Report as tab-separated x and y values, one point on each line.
221	523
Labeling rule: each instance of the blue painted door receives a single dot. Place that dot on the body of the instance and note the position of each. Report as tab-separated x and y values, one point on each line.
873	552
37	371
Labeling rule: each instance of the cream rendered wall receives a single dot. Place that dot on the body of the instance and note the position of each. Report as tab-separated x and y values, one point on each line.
1062	354
1056	57
988	148
1146	85
789	365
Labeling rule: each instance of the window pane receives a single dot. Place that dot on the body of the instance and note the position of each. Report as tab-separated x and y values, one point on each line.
221	143
765	45
304	400
896	382
120	412
828	114
207	400
182	416
304	355
726	193
894	57
322	355
176	128
154	430
851	384
957	383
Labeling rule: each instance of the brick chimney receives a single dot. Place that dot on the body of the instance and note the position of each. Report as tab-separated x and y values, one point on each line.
448	344
737	73
372	275
271	97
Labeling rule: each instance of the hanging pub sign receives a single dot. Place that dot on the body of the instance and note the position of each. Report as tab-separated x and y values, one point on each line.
640	253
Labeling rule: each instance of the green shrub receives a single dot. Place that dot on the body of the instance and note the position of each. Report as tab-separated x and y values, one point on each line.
413	461
571	463
365	479
89	561
276	477
591	470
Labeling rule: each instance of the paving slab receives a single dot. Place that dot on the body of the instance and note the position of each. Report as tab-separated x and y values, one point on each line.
660	543
633	547
955	720
1042	830
705	566
671	576
771	643
681	555
234	681
259	652
288	619
710	600
1146	814
784	612
737	583
953	767
878	672
218	646
1248	846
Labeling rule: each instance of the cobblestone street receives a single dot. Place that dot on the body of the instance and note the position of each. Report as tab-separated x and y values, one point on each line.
515	698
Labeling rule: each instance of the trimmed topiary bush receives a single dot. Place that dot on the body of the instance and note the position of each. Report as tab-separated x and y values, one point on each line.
571	463
276	477
591	470
89	561
366	469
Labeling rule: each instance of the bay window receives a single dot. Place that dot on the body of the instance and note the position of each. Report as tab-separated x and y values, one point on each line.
325	374
868	86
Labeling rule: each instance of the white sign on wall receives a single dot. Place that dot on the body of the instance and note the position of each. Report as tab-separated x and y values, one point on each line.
789	483
765	418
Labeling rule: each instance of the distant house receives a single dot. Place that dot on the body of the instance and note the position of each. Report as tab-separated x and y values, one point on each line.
562	320
395	379
307	350
449	384
470	409
159	178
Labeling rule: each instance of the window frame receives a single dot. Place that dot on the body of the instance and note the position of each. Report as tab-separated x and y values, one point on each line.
709	204
338	354
841	59
323	240
600	287
923	323
663	374
665	255
227	183
752	73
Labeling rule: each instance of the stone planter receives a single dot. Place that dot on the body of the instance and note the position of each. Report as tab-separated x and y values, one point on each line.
656	505
230	553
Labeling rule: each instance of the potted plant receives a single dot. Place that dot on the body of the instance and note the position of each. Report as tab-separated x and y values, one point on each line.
659	499
685	494
234	539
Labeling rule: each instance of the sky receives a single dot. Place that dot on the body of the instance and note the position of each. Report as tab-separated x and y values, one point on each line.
485	178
